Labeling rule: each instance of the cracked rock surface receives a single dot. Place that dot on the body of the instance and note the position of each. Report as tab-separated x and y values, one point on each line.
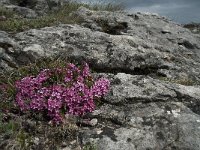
136	52
147	114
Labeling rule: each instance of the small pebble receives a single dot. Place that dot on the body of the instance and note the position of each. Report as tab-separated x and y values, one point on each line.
93	122
36	141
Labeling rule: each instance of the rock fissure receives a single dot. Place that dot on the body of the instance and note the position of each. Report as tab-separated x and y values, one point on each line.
143	70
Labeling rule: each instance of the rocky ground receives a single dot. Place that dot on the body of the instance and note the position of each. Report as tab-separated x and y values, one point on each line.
154	68
194	27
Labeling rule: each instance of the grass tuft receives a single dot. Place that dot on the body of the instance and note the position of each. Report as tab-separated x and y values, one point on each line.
90	146
193	27
183	81
5	12
14	24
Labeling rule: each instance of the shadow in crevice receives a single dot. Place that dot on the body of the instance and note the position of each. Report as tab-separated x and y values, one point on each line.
145	70
116	29
24	3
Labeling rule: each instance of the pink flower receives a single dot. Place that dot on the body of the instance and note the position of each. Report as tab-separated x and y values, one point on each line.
86	70
49	91
100	87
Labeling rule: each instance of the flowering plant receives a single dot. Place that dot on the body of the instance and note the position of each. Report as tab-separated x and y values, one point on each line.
60	91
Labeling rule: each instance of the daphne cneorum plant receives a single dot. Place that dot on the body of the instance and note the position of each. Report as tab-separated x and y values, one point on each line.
60	91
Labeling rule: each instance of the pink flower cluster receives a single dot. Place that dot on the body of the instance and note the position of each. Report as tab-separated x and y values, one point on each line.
60	91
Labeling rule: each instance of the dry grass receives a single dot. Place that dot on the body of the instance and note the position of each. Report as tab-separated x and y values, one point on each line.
183	81
15	24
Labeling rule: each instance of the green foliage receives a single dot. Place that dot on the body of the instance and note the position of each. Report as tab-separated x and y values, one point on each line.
23	140
5	12
8	127
13	24
183	81
90	146
11	128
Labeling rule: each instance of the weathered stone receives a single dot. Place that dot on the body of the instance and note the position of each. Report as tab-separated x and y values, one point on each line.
22	11
33	8
7	46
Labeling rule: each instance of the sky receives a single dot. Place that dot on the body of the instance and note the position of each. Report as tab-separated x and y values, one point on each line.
181	11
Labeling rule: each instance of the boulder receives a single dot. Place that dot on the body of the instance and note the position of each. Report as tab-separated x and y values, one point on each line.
142	113
22	11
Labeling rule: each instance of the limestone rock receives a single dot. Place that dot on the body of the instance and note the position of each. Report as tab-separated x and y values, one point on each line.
169	121
22	11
